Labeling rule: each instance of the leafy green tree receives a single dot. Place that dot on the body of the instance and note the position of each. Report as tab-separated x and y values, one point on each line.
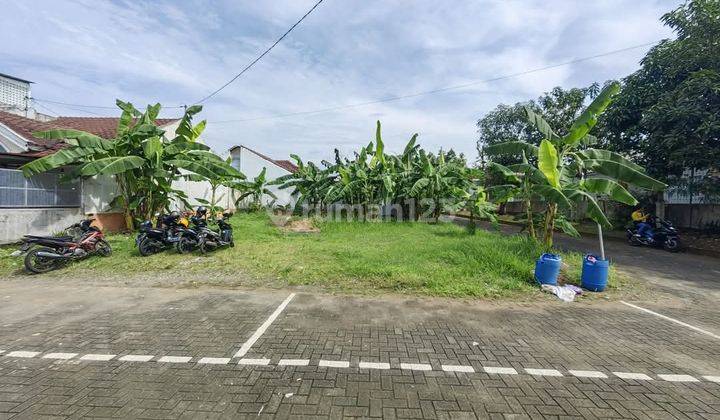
141	159
568	172
559	108
668	114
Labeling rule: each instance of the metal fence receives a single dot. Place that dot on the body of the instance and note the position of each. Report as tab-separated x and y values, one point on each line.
42	190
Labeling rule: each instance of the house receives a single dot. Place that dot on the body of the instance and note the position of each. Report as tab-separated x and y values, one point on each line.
251	163
45	203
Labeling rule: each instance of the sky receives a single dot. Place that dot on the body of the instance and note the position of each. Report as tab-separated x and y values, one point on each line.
91	52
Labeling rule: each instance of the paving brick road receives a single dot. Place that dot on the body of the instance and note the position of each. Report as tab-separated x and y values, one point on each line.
171	355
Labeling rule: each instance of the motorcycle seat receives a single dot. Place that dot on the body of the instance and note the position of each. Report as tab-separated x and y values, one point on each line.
52	238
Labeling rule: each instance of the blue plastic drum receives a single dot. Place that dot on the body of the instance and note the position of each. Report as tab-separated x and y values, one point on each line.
547	269
594	273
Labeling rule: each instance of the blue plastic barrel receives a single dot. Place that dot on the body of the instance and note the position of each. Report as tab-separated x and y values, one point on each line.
547	269
594	273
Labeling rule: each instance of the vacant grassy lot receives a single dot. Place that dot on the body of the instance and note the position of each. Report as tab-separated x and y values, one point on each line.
440	260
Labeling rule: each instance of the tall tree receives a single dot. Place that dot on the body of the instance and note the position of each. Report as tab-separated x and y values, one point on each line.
668	113
559	108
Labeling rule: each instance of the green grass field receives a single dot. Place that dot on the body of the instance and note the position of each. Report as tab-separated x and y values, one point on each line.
413	258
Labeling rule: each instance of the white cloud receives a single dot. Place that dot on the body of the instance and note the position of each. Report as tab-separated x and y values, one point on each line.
346	52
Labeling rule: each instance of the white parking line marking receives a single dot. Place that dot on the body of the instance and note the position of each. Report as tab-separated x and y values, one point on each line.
136	358
458	368
23	354
214	360
543	372
587	374
294	362
500	370
630	375
415	366
678	378
259	362
334	363
60	356
713	378
373	365
692	327
261	330
98	357
174	359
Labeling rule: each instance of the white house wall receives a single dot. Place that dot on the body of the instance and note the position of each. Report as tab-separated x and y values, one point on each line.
250	164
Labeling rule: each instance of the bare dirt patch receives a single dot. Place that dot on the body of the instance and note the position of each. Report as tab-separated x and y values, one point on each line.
300	226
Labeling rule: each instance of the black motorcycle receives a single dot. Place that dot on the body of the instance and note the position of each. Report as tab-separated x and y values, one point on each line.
166	234
209	239
664	235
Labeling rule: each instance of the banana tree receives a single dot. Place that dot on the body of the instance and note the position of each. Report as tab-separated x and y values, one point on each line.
141	159
309	183
256	189
569	172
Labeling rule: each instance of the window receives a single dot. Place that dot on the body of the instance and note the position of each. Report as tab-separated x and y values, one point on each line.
42	190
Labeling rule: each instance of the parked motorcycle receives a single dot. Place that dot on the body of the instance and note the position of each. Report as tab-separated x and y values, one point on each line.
166	234
664	235
45	253
209	239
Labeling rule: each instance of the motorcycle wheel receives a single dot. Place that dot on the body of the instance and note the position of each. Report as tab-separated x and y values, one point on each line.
103	248
147	248
203	247
185	245
672	244
38	265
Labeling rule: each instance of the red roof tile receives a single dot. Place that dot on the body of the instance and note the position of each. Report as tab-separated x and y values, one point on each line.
103	127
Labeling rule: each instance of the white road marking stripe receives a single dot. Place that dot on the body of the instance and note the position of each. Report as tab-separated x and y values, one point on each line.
677	378
692	327
2	351
373	365
261	362
294	362
458	368
543	372
334	363
98	357
500	370
61	356
174	359
261	330
214	360
630	375
23	354
136	358
415	366
587	374
713	378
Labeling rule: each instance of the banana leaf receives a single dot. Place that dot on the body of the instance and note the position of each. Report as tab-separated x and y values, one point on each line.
75	138
112	165
587	120
512	148
548	162
542	125
624	173
60	158
608	155
610	188
594	210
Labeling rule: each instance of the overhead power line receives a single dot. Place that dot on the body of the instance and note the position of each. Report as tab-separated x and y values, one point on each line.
215	92
89	106
439	90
